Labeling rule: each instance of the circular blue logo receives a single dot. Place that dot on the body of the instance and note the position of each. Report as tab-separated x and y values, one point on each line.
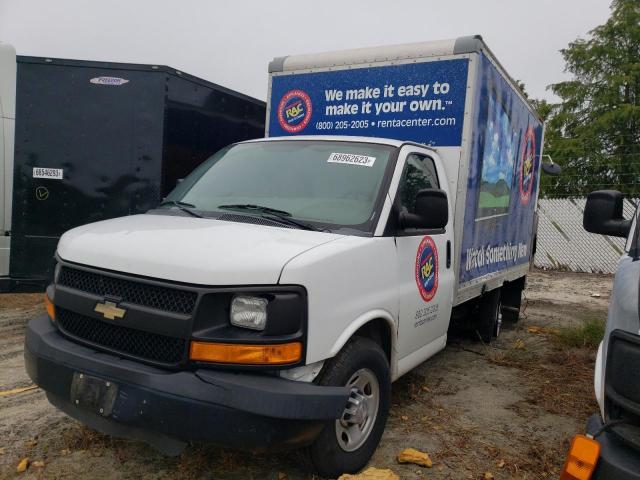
294	111
427	268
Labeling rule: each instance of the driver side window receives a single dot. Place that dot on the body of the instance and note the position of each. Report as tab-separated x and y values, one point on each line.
419	173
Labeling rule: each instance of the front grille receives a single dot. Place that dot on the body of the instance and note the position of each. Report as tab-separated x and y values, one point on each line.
628	433
143	345
154	296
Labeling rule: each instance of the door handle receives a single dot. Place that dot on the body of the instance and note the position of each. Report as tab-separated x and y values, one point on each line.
448	253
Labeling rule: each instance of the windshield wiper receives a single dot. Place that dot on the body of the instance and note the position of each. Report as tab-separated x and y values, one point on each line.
184	206
266	212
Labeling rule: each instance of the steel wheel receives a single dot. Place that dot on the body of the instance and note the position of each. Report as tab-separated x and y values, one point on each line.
359	416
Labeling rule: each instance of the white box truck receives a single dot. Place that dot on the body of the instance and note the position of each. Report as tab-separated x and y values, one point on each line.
274	296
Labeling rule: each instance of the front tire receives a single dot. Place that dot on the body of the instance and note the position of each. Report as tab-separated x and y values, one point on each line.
346	445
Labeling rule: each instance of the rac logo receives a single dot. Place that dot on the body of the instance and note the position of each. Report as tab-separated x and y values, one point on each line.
109	310
426	269
294	111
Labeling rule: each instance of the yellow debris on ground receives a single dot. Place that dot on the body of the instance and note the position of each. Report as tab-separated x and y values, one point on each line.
15	391
411	455
371	473
541	330
23	465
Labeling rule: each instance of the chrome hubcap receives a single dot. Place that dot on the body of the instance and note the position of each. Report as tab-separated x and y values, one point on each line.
359	416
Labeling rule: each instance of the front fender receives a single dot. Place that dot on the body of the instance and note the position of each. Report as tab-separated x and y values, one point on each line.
358	323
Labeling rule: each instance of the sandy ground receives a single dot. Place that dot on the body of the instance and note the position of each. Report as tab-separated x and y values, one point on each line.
508	409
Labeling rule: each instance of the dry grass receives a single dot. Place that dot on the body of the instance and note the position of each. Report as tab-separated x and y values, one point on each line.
560	378
85	438
21	301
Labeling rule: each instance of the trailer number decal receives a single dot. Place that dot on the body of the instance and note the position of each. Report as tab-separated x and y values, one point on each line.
116	81
427	268
294	111
351	159
51	173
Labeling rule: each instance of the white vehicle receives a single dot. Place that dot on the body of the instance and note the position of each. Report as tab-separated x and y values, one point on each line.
274	296
611	448
7	127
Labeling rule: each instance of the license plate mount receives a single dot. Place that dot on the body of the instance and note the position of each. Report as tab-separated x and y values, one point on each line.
93	394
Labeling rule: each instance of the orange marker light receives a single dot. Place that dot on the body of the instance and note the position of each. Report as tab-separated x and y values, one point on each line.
581	459
51	309
281	354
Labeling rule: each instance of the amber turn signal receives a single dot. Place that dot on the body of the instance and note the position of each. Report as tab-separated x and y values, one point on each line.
581	459
242	354
51	309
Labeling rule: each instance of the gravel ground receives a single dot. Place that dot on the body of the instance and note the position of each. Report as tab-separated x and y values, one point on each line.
509	408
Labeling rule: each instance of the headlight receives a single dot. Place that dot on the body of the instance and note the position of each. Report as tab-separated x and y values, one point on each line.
249	312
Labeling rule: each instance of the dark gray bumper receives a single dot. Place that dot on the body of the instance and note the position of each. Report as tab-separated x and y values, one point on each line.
617	461
235	409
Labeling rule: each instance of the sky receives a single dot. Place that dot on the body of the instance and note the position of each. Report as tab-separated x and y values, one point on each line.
231	42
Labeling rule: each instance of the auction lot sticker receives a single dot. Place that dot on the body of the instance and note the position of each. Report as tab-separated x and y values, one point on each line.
51	173
352	159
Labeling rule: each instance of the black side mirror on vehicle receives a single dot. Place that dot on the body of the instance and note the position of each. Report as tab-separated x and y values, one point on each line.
603	214
431	210
549	167
552	169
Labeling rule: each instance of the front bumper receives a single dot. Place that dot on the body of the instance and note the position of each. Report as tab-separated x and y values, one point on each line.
167	409
617	460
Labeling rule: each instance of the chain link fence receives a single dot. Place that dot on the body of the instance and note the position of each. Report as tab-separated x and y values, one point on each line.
564	245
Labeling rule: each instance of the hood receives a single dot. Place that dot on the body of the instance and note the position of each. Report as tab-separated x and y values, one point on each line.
188	249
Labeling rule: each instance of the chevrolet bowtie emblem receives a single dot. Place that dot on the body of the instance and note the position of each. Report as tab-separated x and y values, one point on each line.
110	310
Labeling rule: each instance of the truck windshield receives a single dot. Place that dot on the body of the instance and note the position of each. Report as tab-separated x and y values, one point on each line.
335	184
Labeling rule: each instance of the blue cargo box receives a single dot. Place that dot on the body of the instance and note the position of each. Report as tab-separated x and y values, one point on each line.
453	96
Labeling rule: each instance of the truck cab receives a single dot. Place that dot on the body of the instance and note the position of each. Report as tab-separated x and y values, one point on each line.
615	430
284	282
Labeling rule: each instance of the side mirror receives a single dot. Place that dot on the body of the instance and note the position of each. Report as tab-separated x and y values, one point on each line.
549	167
603	214
431	211
552	169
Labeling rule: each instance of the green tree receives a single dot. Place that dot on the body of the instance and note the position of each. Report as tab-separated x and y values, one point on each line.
594	133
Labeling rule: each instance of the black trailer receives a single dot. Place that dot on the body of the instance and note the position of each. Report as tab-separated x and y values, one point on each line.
97	140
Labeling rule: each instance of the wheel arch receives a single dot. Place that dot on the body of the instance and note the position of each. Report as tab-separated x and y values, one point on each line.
379	325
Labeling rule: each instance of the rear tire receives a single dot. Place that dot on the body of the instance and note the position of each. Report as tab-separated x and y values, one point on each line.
489	316
346	445
512	300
